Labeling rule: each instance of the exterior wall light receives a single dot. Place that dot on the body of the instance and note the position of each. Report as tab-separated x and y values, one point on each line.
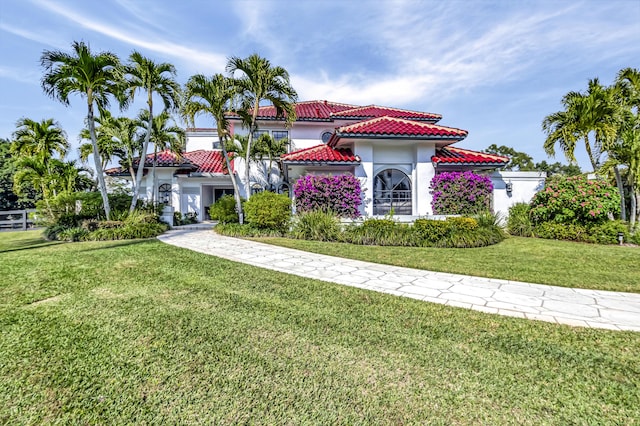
509	188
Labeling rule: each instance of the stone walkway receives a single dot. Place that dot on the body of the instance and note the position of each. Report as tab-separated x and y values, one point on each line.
577	307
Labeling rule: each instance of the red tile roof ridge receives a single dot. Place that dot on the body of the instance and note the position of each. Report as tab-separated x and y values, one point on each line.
399	120
348	112
326	153
459	155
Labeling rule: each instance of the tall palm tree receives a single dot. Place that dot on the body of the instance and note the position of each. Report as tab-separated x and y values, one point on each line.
260	82
272	149
151	78
213	96
164	136
39	139
95	77
593	112
124	132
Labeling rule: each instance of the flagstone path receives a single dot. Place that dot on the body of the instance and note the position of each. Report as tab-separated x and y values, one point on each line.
576	307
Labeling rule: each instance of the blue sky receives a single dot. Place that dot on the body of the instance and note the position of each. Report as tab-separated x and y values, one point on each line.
494	68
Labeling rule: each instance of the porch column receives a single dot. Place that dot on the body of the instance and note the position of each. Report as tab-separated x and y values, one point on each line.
364	172
424	173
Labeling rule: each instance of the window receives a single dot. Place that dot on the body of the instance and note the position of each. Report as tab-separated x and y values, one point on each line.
280	134
257	133
326	136
164	194
392	191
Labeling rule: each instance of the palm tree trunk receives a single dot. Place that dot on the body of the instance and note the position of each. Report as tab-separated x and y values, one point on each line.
143	156
587	146
96	157
236	190
633	214
254	116
623	204
154	188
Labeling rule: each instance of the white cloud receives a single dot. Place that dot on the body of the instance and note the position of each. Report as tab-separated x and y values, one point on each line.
40	37
20	75
194	58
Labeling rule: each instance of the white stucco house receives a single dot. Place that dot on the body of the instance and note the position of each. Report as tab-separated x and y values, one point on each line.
393	152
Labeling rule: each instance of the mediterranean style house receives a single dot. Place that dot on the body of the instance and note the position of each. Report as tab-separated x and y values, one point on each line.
393	152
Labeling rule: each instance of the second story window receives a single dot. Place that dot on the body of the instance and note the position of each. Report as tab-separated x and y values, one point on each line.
280	134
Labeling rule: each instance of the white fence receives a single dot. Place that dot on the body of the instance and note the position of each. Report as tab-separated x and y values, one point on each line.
16	220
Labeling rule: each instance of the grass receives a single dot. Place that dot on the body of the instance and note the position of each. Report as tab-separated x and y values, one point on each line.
560	263
139	332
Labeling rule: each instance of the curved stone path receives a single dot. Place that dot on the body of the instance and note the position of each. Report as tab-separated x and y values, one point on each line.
577	307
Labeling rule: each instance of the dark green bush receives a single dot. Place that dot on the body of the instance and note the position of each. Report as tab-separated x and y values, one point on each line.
381	232
561	231
432	230
519	220
72	234
51	232
127	232
245	231
224	210
607	232
268	210
316	225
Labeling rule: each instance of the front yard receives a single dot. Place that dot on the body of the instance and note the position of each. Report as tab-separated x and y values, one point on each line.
142	332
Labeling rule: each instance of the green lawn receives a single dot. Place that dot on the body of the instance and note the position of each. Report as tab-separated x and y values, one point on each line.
140	332
535	260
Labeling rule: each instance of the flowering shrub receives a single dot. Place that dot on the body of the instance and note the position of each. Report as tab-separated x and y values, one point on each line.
461	193
574	199
338	194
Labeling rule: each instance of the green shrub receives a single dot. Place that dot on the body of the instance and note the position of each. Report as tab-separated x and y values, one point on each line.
479	237
463	224
561	231
635	238
432	230
316	225
519	220
381	232
607	232
268	210
72	234
51	232
127	231
245	231
576	200
224	209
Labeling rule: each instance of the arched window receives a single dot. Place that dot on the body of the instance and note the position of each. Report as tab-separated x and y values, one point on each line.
392	190
164	194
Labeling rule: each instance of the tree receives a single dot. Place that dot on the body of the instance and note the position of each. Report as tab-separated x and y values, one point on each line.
558	169
518	160
25	196
164	137
260	82
593	112
267	146
39	139
152	78
95	77
213	96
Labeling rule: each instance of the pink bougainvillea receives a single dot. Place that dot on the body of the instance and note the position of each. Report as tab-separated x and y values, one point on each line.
460	193
340	194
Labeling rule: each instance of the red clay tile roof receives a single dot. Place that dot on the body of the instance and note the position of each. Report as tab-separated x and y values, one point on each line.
201	161
305	111
321	154
390	127
208	161
450	155
374	111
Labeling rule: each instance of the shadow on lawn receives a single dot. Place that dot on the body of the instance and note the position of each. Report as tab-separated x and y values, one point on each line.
31	243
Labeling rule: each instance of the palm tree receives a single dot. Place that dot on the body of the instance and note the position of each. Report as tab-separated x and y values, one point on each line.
213	96
124	132
267	146
164	137
583	114
106	144
94	77
152	78
259	81
39	139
